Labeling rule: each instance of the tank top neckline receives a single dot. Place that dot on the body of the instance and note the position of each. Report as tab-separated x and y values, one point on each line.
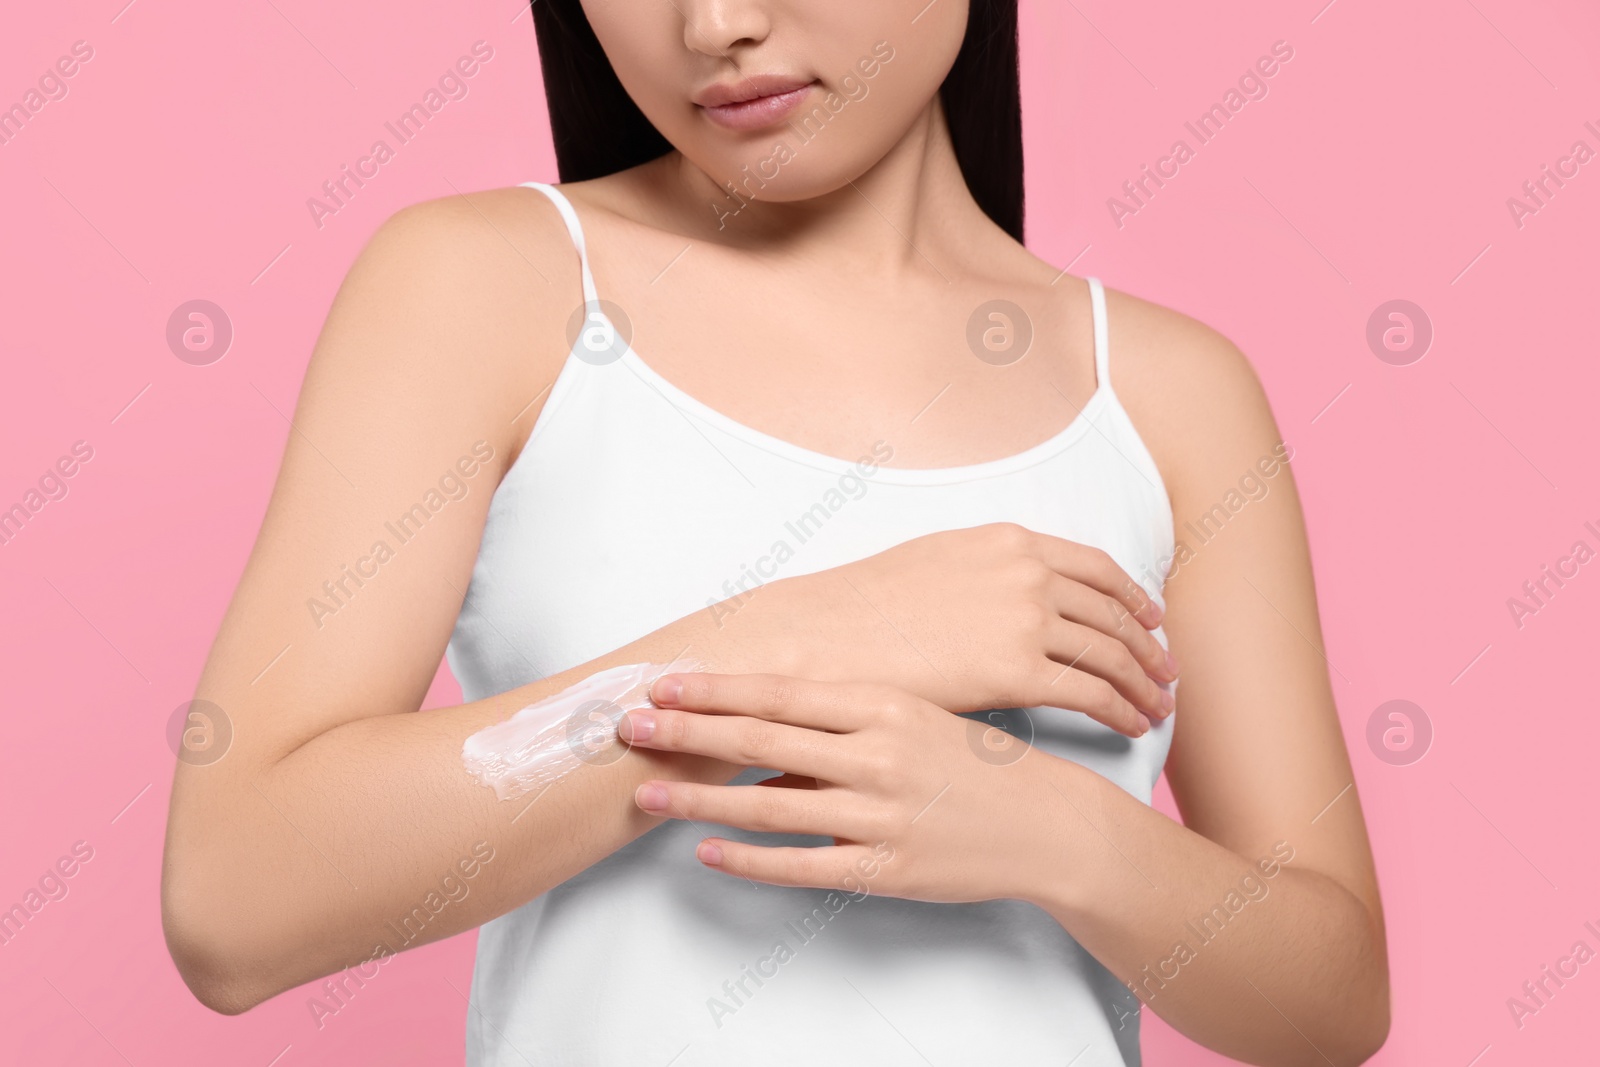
1080	424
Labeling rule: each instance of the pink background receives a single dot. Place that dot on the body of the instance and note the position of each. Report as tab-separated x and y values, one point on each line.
1377	168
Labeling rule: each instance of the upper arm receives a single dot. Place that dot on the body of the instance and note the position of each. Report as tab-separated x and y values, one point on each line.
442	332
1258	756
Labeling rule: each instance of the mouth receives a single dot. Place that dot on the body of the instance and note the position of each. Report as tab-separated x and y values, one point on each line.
755	102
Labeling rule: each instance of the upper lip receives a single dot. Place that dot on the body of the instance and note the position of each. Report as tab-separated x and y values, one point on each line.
752	87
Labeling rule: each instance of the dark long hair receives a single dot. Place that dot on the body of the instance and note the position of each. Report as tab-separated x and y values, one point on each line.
599	130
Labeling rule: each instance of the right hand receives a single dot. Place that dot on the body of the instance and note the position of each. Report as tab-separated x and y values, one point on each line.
995	616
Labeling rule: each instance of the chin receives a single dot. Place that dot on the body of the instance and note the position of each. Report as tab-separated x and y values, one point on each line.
781	173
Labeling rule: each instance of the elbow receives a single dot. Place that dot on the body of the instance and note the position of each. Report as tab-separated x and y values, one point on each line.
212	962
1364	1028
1351	1028
212	977
218	992
1373	1018
1370	1032
1359	1024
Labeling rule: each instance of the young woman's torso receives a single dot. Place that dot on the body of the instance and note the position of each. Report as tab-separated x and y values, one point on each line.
767	422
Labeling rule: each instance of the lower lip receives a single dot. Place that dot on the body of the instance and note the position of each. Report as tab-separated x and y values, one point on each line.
755	114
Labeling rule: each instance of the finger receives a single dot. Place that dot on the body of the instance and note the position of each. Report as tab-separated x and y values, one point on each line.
830	706
824	867
1079	603
1095	568
750	807
1059	685
738	739
1084	648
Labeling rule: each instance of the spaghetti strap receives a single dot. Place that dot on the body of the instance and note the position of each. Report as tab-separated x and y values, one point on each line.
1102	346
591	298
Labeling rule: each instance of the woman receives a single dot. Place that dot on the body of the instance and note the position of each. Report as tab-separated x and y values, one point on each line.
880	505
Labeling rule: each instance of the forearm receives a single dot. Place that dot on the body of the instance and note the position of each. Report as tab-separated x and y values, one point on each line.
1285	967
284	868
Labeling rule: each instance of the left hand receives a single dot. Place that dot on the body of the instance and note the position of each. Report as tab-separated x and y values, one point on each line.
914	798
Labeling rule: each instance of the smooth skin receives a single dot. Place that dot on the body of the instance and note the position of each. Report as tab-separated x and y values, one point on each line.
338	808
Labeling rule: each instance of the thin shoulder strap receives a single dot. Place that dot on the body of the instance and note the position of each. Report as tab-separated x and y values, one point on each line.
591	298
1102	345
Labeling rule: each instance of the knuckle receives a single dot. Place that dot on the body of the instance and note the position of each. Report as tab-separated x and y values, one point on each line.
1126	663
1117	611
1107	567
1010	536
1100	695
798	870
697	689
877	768
898	706
672	729
777	693
1094	644
887	711
754	742
1035	617
683	801
1032	574
881	697
767	813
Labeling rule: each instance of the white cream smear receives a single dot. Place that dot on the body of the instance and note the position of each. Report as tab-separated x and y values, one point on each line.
553	737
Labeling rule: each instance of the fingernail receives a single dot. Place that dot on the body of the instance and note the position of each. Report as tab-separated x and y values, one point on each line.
1172	664
651	797
668	689
1168	702
1144	725
1158	611
636	726
709	854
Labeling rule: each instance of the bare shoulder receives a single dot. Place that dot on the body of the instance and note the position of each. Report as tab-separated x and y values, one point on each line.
1195	398
468	293
485	246
514	220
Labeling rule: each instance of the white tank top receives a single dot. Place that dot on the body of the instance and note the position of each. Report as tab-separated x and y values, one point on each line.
632	505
